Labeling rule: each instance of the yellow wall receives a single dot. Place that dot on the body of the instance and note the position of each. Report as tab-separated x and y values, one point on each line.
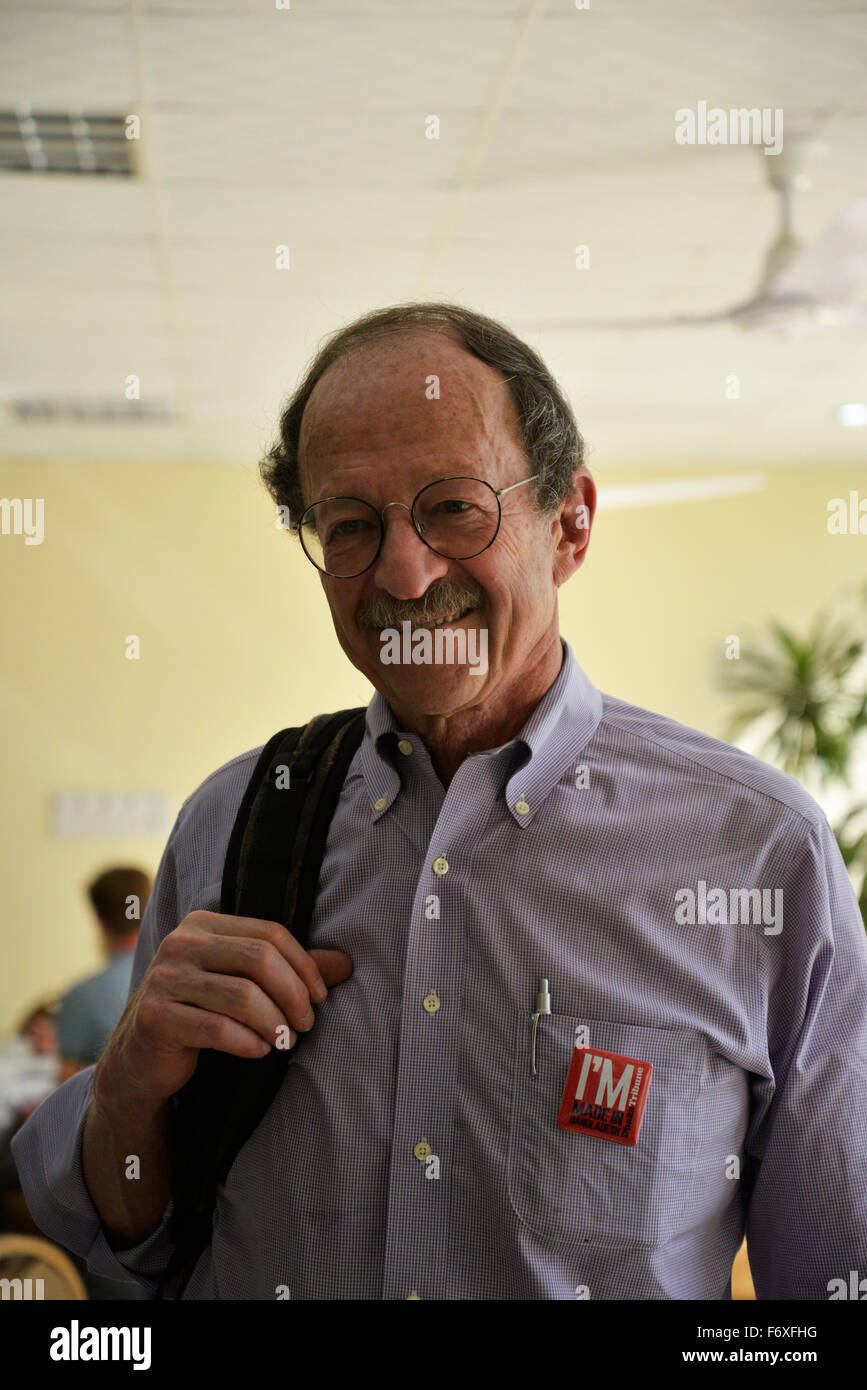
236	642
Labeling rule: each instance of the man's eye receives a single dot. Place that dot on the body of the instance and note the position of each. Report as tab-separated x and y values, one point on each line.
343	529
452	507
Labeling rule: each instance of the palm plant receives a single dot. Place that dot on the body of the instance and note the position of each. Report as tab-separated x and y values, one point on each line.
807	698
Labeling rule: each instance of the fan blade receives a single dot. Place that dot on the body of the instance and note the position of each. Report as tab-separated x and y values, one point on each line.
824	275
619	325
629	495
794	315
832	269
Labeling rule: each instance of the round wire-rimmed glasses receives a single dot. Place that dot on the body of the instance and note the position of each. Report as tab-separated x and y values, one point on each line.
458	517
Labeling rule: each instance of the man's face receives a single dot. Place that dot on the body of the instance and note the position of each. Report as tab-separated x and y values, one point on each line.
40	1035
370	431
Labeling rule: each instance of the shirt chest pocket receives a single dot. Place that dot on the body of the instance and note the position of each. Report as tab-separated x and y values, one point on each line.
577	1188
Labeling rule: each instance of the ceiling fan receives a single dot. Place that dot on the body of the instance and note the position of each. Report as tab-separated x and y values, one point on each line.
801	286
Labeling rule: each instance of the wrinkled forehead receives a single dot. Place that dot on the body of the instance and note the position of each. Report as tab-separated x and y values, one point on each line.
401	398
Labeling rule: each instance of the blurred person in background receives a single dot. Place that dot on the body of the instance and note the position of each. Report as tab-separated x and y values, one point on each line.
71	1035
38	1030
29	1071
88	1013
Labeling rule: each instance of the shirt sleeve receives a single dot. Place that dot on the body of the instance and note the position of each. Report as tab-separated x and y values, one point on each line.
47	1147
47	1153
806	1146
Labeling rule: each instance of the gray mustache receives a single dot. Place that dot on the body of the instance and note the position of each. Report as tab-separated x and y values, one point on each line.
448	597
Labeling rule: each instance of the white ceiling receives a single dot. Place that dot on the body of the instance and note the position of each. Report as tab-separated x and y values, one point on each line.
306	127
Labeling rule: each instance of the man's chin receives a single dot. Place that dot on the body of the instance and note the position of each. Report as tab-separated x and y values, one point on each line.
428	691
430	687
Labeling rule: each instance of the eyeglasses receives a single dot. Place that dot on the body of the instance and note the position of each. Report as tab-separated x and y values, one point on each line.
456	517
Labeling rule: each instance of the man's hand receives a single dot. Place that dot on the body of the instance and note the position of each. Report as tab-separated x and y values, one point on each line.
216	981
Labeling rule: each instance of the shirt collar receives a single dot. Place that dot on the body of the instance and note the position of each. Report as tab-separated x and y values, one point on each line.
558	729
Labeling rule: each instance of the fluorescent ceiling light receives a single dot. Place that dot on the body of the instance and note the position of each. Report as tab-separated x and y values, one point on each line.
668	490
854	414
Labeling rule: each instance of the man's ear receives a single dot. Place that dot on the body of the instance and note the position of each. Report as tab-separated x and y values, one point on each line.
572	525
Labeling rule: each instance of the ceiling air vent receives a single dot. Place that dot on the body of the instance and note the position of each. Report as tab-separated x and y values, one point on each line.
49	410
67	142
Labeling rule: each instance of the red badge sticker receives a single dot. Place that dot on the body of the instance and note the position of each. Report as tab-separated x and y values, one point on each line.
605	1095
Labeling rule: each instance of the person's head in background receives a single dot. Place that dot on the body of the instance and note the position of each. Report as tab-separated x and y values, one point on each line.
119	897
37	1029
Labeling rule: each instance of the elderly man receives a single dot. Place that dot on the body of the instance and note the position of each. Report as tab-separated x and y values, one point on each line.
606	971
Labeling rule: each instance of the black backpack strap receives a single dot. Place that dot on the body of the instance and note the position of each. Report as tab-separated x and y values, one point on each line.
271	871
262	875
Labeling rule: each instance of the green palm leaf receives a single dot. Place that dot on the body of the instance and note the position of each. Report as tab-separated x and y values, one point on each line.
807	696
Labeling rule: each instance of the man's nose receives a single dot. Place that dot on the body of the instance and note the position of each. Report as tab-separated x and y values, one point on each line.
406	567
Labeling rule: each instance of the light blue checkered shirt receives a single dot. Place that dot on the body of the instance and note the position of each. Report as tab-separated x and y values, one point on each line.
758	1035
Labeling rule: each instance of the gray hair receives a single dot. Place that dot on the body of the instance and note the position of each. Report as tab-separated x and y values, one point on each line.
549	433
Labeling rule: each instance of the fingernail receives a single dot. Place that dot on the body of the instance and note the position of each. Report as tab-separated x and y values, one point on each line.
319	991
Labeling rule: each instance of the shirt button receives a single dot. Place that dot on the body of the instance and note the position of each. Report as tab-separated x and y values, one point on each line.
422	1150
413	1295
381	804
405	746
522	807
431	1002
441	866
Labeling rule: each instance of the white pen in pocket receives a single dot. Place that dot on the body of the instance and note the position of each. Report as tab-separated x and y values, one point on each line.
543	1006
